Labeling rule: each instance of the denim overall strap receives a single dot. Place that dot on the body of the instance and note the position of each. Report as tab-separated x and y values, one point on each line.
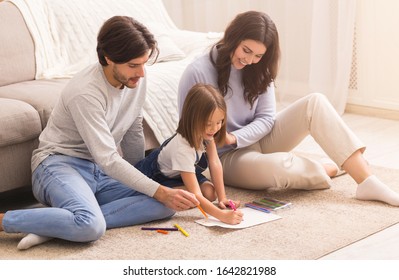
167	141
201	164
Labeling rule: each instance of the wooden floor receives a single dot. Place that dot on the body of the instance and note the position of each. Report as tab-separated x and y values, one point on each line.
381	137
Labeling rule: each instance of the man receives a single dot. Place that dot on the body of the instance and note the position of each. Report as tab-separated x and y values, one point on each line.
77	169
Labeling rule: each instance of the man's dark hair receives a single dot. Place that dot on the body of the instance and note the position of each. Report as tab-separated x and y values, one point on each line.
122	39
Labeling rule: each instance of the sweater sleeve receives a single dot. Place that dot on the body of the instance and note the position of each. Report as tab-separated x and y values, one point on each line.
133	145
260	125
89	118
247	124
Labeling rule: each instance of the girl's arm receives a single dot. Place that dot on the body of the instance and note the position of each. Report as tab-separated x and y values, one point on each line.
216	172
191	183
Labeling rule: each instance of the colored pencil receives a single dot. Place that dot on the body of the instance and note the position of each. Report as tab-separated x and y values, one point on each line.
159	228
181	230
255	202
272	203
202	210
232	205
250	205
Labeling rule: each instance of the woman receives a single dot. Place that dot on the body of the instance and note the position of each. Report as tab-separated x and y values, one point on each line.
243	66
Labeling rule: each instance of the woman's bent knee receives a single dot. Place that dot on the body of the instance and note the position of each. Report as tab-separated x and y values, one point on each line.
318	100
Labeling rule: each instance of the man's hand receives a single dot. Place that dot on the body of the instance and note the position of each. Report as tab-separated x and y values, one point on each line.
176	199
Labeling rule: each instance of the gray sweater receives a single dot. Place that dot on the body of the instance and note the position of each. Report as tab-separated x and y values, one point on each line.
91	119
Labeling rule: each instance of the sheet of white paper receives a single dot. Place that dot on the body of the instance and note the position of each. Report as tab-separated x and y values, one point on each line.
251	218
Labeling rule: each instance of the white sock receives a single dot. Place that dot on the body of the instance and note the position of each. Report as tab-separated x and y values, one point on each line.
32	240
373	189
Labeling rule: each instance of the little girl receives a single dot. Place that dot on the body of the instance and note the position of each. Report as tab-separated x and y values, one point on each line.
182	158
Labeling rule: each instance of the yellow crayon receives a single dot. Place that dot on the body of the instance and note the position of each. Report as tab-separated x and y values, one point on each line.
181	230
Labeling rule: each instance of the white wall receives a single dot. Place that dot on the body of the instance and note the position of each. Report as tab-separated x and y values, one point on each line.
210	15
374	73
214	15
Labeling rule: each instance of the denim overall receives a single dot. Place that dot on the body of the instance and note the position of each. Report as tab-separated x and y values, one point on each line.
149	166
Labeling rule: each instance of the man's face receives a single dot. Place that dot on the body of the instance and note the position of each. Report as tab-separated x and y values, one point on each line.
126	74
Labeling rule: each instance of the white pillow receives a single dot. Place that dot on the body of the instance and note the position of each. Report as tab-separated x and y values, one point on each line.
168	50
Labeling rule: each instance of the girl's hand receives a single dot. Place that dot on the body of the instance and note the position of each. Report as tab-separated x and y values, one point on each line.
223	204
232	217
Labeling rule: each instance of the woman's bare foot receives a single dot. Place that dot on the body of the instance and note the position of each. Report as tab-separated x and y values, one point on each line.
331	169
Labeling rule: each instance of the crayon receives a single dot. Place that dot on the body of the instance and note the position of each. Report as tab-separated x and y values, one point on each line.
159	228
181	230
282	203
257	203
274	200
271	203
253	206
202	210
232	205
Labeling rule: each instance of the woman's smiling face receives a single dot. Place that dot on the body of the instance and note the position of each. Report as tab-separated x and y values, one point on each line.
248	52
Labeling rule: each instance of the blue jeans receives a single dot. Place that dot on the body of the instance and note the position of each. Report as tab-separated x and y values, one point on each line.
84	202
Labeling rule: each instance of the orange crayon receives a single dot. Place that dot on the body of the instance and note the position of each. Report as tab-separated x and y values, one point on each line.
202	210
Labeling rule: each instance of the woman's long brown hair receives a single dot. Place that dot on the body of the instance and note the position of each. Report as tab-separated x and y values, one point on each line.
257	77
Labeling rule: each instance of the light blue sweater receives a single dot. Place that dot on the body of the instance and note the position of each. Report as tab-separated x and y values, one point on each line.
246	124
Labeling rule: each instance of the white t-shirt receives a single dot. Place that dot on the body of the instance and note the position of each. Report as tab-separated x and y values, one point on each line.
178	156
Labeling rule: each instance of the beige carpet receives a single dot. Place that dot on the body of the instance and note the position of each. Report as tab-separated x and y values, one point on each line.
318	223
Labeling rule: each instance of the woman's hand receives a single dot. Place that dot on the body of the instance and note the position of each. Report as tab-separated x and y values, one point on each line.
230	139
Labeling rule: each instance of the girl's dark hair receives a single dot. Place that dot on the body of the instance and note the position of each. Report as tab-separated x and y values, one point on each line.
201	102
257	77
122	39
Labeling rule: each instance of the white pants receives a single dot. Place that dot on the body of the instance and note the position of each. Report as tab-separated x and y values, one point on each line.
269	162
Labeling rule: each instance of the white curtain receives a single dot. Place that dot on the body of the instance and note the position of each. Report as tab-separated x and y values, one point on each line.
316	39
